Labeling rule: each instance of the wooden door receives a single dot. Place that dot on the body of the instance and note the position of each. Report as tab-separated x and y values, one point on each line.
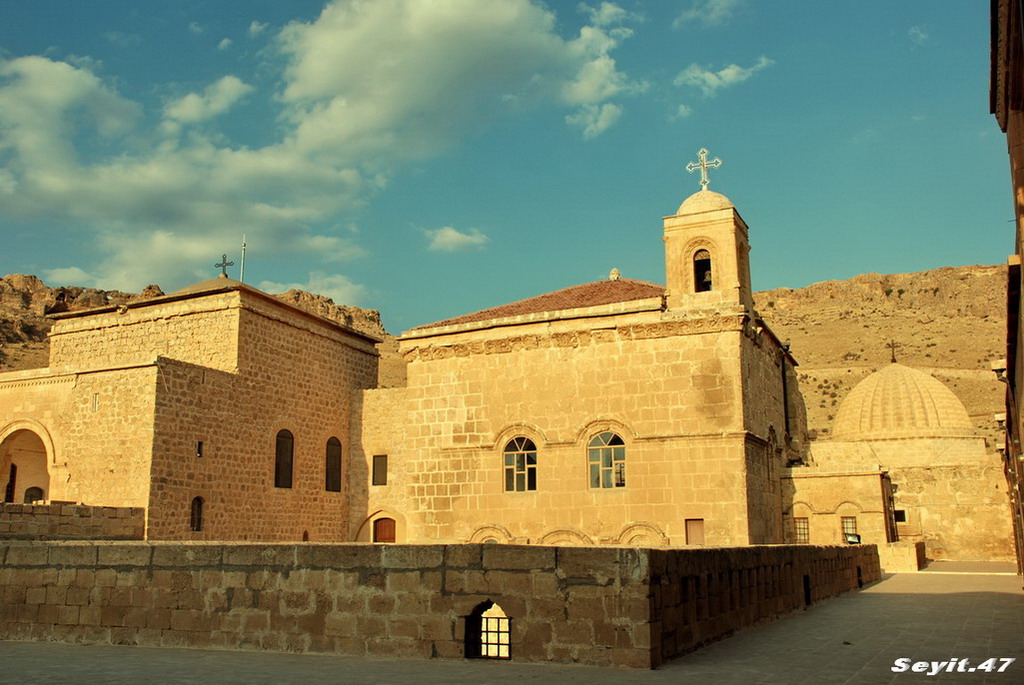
384	530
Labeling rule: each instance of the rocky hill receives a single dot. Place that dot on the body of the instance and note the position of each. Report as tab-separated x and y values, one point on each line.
949	322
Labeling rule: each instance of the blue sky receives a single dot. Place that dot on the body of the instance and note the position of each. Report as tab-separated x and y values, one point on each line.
431	158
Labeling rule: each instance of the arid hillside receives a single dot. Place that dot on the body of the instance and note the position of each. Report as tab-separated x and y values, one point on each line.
949	322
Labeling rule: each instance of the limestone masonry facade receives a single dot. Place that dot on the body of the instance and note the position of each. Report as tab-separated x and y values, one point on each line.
616	413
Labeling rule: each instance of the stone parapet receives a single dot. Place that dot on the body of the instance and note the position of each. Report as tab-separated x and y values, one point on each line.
71	522
599	606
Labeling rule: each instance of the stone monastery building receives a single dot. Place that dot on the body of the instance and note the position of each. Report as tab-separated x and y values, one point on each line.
618	412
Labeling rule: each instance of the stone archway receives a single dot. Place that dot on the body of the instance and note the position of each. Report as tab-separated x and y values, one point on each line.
23	467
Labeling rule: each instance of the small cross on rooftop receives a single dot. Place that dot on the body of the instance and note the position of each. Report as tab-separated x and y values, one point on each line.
223	266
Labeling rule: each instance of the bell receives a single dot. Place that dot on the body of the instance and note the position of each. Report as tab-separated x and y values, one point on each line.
707	277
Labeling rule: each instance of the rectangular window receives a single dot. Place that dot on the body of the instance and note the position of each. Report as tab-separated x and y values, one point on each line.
380	469
95	401
900	515
199	450
802	527
695	531
849	525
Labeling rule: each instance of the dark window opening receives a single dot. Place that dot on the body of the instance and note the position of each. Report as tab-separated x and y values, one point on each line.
900	515
199	450
520	465
807	591
702	271
380	469
196	522
606	455
283	459
305	536
11	484
488	633
384	530
33	494
332	470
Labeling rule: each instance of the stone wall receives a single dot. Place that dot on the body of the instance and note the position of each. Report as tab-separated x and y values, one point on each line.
295	372
670	388
71	522
202	331
600	606
698	596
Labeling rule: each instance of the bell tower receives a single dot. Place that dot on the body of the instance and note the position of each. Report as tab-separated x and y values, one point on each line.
707	262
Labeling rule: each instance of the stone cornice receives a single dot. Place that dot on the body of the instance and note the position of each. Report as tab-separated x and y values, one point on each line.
665	328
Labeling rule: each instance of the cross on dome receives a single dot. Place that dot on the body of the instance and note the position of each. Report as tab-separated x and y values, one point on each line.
703	165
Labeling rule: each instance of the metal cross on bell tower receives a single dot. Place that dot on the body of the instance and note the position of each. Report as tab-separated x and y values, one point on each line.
703	165
223	266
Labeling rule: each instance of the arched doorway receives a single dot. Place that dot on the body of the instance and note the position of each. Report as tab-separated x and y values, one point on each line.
23	467
384	530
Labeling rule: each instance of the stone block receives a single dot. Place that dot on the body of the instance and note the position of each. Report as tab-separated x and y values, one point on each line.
412	556
27	555
518	557
116	555
64	554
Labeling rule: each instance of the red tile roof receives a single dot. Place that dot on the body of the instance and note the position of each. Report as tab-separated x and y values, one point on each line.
585	295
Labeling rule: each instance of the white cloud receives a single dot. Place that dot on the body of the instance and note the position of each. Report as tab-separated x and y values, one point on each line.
448	239
256	28
682	111
70	275
708	12
196	28
607	14
224	44
918	35
162	208
124	40
216	99
595	119
449	67
710	82
335	286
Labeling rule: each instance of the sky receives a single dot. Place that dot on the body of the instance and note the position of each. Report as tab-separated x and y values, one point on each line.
429	158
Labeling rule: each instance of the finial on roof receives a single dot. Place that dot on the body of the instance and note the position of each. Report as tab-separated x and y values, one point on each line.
223	266
614	275
703	165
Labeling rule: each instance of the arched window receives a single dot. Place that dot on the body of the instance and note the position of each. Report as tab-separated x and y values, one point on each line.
606	455
196	522
283	460
702	271
33	495
332	469
520	465
488	632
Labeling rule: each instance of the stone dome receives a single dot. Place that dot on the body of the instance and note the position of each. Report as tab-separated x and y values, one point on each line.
704	201
900	402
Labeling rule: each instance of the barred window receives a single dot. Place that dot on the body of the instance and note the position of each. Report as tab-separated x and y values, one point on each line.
849	525
802	527
332	469
488	633
520	465
606	455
